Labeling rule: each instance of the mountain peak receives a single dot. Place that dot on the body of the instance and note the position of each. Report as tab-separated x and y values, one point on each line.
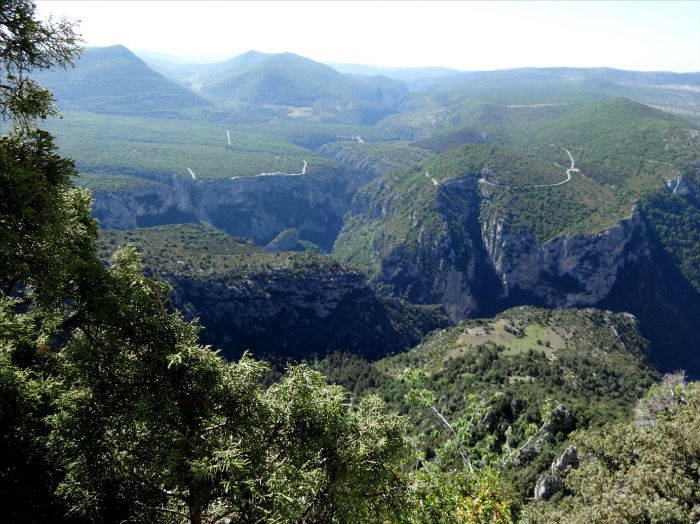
117	51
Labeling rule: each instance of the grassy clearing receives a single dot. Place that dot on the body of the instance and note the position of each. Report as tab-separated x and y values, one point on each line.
514	340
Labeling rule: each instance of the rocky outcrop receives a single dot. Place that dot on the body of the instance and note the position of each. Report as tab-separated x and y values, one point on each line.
147	205
260	208
288	240
452	245
685	187
553	482
477	268
560	420
296	313
567	271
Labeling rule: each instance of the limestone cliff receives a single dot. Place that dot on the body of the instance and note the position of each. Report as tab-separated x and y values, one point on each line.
441	233
286	304
446	264
256	207
567	271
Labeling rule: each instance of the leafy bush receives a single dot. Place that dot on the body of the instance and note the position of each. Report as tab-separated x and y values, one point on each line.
636	472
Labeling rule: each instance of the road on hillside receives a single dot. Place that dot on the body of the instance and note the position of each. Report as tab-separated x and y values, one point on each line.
571	169
274	173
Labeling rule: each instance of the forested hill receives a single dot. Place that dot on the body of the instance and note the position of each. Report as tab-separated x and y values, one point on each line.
588	366
283	305
113	80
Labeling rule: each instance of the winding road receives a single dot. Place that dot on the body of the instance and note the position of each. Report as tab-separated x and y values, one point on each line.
274	173
571	169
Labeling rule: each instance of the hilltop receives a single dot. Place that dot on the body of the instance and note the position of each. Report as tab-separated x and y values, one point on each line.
114	80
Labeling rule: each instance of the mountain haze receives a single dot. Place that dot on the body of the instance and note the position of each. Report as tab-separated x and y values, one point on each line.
114	80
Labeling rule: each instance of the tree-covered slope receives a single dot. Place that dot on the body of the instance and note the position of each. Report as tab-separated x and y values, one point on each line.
449	103
159	148
618	140
593	205
315	90
642	470
377	158
114	80
622	149
197	75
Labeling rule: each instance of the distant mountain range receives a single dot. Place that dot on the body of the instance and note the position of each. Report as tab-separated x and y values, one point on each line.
114	80
259	87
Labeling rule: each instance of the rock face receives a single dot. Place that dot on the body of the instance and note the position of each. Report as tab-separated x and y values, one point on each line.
143	206
254	207
561	419
296	314
553	482
449	266
567	271
684	186
447	245
286	304
475	268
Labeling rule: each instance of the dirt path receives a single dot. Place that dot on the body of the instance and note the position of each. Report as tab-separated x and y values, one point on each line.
570	170
194	177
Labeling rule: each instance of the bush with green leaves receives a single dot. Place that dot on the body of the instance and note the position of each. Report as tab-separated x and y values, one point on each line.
458	483
641	471
459	497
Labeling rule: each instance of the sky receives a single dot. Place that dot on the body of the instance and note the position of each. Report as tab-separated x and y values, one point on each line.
465	35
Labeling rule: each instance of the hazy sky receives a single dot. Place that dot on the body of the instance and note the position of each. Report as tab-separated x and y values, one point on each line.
466	35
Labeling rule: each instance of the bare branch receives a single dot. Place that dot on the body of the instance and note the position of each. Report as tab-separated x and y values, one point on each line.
465	458
511	454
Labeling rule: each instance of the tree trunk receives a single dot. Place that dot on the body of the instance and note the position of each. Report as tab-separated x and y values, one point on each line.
194	505
195	513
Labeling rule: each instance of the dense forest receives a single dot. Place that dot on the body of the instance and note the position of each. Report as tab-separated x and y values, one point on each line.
112	410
